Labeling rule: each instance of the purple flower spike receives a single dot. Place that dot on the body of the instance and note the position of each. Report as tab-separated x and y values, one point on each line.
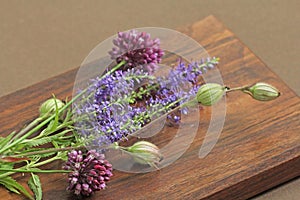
90	172
137	48
109	114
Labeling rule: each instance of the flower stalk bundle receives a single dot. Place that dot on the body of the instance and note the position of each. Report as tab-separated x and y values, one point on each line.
111	109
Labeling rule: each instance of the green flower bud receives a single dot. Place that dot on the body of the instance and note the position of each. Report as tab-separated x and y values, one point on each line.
49	106
262	92
210	93
145	153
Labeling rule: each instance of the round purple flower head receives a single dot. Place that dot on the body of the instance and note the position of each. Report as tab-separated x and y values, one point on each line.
90	172
137	48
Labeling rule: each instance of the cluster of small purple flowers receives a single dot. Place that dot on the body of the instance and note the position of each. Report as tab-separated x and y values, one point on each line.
114	113
179	86
90	172
110	117
137	48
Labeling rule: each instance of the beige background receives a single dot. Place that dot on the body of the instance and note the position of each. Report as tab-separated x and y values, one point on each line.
40	39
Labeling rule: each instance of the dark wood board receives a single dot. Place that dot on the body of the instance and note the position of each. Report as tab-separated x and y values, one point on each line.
258	149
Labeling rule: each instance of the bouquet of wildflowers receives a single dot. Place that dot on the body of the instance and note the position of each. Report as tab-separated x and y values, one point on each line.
129	97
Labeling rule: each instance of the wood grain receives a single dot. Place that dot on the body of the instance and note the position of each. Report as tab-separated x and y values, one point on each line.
259	147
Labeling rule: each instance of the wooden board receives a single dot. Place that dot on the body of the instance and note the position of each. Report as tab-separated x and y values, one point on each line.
259	147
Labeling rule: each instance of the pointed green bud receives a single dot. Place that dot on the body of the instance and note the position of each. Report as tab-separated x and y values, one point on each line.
145	153
49	106
262	92
210	93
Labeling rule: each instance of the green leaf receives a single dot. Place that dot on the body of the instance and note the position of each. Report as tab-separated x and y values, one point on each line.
38	142
7	165
68	116
14	186
48	139
35	185
10	188
19	146
10	159
55	144
48	130
51	127
45	155
35	152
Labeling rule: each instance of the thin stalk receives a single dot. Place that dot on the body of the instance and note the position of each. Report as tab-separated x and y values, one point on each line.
34	170
26	135
25	167
60	134
50	150
40	125
6	174
236	88
46	161
164	115
114	69
27	128
168	106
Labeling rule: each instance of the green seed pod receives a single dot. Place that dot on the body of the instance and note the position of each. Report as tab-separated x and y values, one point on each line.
49	106
263	92
145	153
210	93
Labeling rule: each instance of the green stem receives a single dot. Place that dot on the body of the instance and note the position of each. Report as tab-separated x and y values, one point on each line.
114	68
168	106
26	135
46	161
34	170
59	135
40	125
149	77
24	167
62	126
162	116
27	128
50	150
6	174
236	89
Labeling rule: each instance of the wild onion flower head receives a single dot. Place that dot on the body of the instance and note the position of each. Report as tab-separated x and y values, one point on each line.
90	172
137	48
